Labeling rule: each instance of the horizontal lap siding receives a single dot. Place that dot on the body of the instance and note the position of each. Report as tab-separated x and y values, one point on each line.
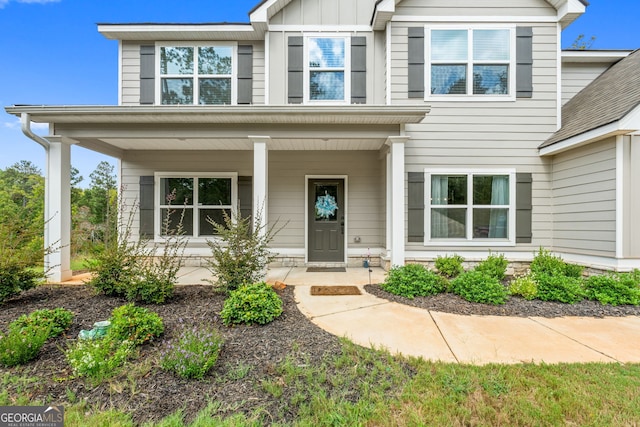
259	89
486	134
130	63
576	77
584	200
365	214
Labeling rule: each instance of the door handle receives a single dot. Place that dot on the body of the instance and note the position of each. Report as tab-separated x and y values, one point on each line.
342	226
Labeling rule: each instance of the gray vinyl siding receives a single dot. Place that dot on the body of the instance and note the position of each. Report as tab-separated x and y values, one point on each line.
130	63
576	76
287	171
584	200
325	12
631	197
485	135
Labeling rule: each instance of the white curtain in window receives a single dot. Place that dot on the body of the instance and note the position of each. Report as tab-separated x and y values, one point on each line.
439	195
499	217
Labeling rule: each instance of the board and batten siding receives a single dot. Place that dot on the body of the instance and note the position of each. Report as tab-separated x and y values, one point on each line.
130	63
325	12
485	135
584	200
576	76
530	8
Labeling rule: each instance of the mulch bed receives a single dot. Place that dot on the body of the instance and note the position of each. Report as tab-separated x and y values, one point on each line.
515	306
158	393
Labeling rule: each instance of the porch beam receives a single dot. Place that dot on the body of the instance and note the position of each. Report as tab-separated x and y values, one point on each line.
397	199
57	227
260	181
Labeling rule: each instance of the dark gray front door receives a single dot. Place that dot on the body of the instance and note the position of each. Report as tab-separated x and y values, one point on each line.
326	220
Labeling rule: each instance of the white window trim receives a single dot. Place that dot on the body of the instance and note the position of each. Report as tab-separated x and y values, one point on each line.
347	69
511	96
157	206
470	241
195	75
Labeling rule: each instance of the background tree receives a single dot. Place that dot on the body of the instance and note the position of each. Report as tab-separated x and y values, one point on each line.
580	43
101	199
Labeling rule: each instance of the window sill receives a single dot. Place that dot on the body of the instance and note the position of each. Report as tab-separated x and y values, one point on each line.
470	98
471	243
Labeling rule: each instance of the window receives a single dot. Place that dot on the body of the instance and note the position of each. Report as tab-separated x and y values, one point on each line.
470	206
477	62
200	75
194	199
327	76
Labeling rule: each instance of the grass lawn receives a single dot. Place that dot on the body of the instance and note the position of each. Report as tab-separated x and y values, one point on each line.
397	391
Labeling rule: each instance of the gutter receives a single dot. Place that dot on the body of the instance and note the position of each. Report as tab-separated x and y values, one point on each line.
25	125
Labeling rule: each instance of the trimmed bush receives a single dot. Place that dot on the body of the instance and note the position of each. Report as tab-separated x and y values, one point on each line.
494	266
21	345
559	288
135	324
255	303
546	263
193	353
475	286
413	280
524	286
57	321
449	266
614	289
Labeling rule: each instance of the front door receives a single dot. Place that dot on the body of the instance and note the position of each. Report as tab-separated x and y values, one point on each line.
326	220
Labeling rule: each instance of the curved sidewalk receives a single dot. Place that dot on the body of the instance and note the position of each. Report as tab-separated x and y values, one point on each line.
371	321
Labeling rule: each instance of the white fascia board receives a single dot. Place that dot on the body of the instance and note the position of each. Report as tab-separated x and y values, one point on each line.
382	14
602	132
589	56
632	120
569	11
151	31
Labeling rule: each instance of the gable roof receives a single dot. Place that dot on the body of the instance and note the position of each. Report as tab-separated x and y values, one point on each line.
606	100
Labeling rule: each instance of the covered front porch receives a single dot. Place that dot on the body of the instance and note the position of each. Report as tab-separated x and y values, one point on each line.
280	151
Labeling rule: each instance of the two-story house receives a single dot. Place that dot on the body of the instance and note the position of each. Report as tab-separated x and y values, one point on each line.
396	129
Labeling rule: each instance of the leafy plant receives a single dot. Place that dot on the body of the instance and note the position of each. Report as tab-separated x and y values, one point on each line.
193	353
57	321
240	252
476	286
20	346
254	303
135	324
98	359
494	266
559	288
524	286
546	263
450	266
413	280
614	289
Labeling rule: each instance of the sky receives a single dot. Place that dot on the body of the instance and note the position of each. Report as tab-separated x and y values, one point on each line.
52	54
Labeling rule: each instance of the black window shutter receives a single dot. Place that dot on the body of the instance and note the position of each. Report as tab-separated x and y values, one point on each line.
523	207
147	74
358	70
146	207
295	70
416	207
245	74
524	62
416	62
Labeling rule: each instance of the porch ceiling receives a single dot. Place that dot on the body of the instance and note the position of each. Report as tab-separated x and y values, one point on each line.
115	129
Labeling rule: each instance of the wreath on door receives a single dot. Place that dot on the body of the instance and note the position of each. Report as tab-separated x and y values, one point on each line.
326	206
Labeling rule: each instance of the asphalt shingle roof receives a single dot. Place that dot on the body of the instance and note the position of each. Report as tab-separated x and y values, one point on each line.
608	99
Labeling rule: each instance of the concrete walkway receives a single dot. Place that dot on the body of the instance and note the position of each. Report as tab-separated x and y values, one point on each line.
371	321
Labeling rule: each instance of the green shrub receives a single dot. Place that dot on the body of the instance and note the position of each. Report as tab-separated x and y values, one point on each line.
559	288
98	359
449	266
20	346
614	289
524	286
15	278
57	320
150	289
494	266
546	263
573	270
255	303
475	286
135	324
113	269
193	353
413	280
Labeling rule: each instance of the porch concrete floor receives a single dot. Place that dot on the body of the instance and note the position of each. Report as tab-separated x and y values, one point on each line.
371	321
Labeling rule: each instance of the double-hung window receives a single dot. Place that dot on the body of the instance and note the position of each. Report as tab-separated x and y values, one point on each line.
327	69
197	75
477	206
470	62
194	200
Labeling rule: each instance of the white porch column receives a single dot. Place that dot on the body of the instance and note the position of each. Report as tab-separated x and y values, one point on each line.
260	180
58	210
397	206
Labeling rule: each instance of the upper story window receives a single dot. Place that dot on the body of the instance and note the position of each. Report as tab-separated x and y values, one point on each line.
327	73
197	75
470	62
